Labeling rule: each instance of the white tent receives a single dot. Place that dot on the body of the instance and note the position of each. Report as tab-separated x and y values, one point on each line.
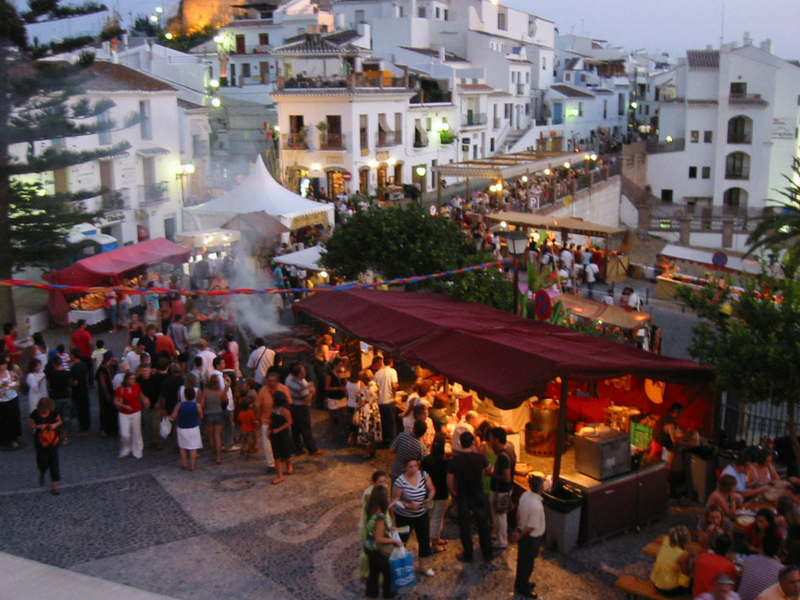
260	193
308	258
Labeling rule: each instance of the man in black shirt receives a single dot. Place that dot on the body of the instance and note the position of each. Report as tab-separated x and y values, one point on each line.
58	380
169	395
149	342
465	481
151	387
501	483
79	381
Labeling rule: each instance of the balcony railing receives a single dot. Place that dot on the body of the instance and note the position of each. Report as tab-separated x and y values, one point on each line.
116	200
331	141
387	138
737	174
473	119
294	141
432	97
153	193
658	147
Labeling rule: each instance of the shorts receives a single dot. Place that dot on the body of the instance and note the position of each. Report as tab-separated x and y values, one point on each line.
213	419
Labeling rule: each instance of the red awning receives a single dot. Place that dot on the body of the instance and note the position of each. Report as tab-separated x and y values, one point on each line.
109	265
501	356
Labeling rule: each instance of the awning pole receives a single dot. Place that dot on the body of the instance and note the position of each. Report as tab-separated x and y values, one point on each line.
561	433
466	200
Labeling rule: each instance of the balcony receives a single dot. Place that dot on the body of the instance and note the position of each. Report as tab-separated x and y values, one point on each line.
387	139
741	174
354	81
153	193
331	141
432	97
116	200
294	141
520	89
473	119
746	100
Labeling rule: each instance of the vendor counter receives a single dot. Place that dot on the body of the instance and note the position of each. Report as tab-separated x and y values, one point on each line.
620	503
616	504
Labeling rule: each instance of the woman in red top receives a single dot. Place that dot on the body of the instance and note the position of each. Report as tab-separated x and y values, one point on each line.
755	532
129	400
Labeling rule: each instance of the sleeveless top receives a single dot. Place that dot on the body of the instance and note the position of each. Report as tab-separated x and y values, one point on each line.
414	494
213	403
188	415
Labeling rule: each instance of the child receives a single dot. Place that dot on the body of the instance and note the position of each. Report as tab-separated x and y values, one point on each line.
280	435
609	297
247	425
98	355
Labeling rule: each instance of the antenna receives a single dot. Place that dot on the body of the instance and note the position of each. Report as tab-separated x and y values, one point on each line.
722	26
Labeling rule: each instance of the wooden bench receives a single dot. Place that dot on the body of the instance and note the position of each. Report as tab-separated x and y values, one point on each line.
653	547
635	587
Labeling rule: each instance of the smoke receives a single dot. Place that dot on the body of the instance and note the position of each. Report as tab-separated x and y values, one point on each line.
258	314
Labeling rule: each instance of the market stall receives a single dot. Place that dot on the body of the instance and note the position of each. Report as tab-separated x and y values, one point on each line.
259	192
613	266
307	259
503	361
109	267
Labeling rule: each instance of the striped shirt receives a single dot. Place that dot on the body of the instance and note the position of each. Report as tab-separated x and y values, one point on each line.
407	447
414	494
760	572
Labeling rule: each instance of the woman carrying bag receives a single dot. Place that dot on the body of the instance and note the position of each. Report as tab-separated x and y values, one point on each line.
378	546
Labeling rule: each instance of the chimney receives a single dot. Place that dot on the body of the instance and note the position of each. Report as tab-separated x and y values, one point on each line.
340	22
766	46
441	54
748	41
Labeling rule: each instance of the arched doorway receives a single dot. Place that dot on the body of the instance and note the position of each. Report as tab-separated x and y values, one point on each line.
336	185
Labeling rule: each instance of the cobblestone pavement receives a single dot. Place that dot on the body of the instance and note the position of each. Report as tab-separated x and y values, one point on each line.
224	532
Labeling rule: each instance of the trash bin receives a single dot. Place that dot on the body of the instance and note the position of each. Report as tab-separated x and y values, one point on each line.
562	511
704	462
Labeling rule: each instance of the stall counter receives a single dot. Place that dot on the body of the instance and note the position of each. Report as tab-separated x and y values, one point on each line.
92	317
620	503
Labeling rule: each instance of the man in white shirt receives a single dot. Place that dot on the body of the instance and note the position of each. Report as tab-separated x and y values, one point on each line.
134	357
723	589
738	470
529	535
260	360
787	588
207	356
386	379
467	423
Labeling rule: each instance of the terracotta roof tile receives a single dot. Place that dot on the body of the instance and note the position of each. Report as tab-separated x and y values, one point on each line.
703	59
111	77
570	92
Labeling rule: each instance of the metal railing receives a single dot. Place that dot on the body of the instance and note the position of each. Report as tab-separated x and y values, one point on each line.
473	119
153	193
658	147
331	141
753	422
386	139
116	200
294	141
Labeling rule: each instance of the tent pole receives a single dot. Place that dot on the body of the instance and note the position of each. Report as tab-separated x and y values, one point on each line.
561	434
466	200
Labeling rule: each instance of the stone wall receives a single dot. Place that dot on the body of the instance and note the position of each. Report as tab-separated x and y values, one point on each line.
598	204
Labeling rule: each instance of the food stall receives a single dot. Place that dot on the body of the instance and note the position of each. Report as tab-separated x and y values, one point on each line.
107	268
504	363
614	267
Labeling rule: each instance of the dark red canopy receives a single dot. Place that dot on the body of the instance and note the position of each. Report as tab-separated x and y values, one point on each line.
500	355
103	267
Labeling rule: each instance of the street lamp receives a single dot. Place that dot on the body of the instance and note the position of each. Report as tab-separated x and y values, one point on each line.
517	242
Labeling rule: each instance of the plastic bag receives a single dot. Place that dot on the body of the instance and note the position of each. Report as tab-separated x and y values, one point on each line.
165	428
402	563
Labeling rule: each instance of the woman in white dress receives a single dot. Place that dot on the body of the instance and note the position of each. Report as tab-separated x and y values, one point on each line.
37	384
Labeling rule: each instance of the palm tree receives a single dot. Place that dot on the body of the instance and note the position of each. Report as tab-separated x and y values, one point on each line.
783	228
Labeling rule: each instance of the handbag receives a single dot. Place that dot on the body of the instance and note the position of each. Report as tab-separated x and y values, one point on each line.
165	428
402	563
502	503
357	417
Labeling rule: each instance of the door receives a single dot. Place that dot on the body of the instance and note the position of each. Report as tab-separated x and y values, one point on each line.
169	228
557	113
240	49
263	69
107	182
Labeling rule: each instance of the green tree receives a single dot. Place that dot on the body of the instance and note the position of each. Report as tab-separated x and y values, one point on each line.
399	242
782	227
752	338
40	106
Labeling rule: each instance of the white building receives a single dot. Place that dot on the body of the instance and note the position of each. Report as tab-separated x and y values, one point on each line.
734	122
347	124
144	195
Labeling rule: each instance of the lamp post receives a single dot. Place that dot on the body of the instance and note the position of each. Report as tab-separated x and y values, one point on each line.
517	242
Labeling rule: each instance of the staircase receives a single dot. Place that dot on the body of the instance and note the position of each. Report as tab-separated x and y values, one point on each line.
512	137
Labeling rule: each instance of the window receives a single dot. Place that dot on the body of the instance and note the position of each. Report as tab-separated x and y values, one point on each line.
620	104
501	21
567	76
692	172
527	77
145	125
708	137
738	88
421	12
580	109
245	69
398	128
666	195
647	109
438	12
446	15
740	130
694	137
706	173
737	166
513	77
263	39
105	136
491	144
605	109
544	68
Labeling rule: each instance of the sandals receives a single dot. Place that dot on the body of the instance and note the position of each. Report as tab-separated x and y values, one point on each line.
277	481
